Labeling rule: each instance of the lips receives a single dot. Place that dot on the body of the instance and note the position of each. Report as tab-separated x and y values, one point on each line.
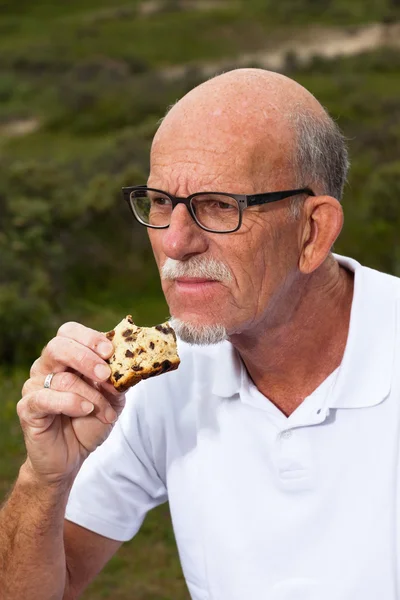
195	284
194	280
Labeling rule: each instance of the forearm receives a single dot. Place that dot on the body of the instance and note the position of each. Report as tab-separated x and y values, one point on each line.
32	557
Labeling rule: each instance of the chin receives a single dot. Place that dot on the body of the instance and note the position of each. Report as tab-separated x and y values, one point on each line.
198	334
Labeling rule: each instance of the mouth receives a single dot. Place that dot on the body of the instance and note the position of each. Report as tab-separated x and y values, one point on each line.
194	281
195	285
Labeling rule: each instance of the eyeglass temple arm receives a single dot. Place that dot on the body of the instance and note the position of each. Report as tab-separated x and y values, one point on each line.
254	199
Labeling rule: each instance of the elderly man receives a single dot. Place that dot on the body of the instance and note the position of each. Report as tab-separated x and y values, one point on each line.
276	441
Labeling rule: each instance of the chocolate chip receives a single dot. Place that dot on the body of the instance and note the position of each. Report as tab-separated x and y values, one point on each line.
155	365
129	354
165	329
129	319
151	345
110	334
127	332
117	376
137	368
166	365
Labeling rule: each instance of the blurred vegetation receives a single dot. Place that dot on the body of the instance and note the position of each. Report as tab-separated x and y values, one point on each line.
87	82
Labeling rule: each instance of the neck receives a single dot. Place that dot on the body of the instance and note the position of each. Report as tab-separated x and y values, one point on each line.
293	356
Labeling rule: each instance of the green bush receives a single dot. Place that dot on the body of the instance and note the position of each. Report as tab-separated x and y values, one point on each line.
54	237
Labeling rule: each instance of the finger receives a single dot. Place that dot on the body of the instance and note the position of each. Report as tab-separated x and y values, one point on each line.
71	382
62	353
66	381
115	398
41	404
95	340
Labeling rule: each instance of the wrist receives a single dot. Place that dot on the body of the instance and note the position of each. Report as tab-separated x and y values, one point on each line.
58	486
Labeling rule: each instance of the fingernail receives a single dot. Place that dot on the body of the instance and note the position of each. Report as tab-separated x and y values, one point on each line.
87	406
105	349
102	372
110	414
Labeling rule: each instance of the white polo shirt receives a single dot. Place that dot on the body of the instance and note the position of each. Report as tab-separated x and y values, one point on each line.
266	507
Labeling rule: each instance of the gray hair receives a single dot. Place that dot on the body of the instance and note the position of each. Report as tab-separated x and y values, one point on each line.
320	157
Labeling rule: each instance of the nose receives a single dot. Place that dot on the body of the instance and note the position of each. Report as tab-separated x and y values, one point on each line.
183	238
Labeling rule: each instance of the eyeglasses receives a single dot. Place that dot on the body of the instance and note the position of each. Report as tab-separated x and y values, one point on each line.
216	212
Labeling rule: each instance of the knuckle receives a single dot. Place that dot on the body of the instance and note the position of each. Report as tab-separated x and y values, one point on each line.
93	394
64	402
51	350
35	366
66	380
67	329
96	397
23	408
89	391
86	336
43	352
95	339
27	387
45	402
21	405
84	357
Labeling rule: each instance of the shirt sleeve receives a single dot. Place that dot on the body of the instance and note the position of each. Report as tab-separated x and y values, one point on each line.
118	483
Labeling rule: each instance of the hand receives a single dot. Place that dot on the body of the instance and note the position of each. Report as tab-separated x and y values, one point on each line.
66	422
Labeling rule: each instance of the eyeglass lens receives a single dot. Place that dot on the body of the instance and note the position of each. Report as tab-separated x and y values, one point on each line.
213	211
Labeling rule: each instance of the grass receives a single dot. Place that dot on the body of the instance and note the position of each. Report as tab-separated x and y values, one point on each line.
168	38
44	46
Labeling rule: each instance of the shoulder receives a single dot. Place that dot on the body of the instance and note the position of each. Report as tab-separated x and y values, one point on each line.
391	282
380	288
372	283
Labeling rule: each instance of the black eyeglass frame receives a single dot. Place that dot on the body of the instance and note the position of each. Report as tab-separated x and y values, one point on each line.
243	200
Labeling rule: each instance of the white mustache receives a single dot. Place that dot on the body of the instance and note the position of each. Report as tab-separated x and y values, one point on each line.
207	268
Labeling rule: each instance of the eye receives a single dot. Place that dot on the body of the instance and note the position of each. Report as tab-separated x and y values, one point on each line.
223	205
160	201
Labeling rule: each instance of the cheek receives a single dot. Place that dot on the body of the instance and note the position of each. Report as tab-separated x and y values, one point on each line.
264	260
250	268
252	253
165	285
155	242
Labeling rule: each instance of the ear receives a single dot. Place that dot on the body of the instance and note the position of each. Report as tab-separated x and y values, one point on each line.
322	223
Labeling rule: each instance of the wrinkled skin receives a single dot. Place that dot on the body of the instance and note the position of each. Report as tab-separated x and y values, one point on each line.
230	135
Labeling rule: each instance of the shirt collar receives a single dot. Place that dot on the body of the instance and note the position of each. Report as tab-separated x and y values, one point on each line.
227	371
365	374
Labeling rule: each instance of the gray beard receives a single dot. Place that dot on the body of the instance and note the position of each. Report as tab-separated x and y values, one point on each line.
201	335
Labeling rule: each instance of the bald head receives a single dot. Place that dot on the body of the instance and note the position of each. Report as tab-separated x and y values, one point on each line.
249	120
249	97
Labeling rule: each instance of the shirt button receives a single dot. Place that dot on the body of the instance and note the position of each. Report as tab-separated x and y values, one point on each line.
286	435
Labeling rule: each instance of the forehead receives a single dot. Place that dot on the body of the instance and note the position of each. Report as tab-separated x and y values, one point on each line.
219	144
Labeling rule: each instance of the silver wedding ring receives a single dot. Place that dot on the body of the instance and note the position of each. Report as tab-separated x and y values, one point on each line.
47	381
